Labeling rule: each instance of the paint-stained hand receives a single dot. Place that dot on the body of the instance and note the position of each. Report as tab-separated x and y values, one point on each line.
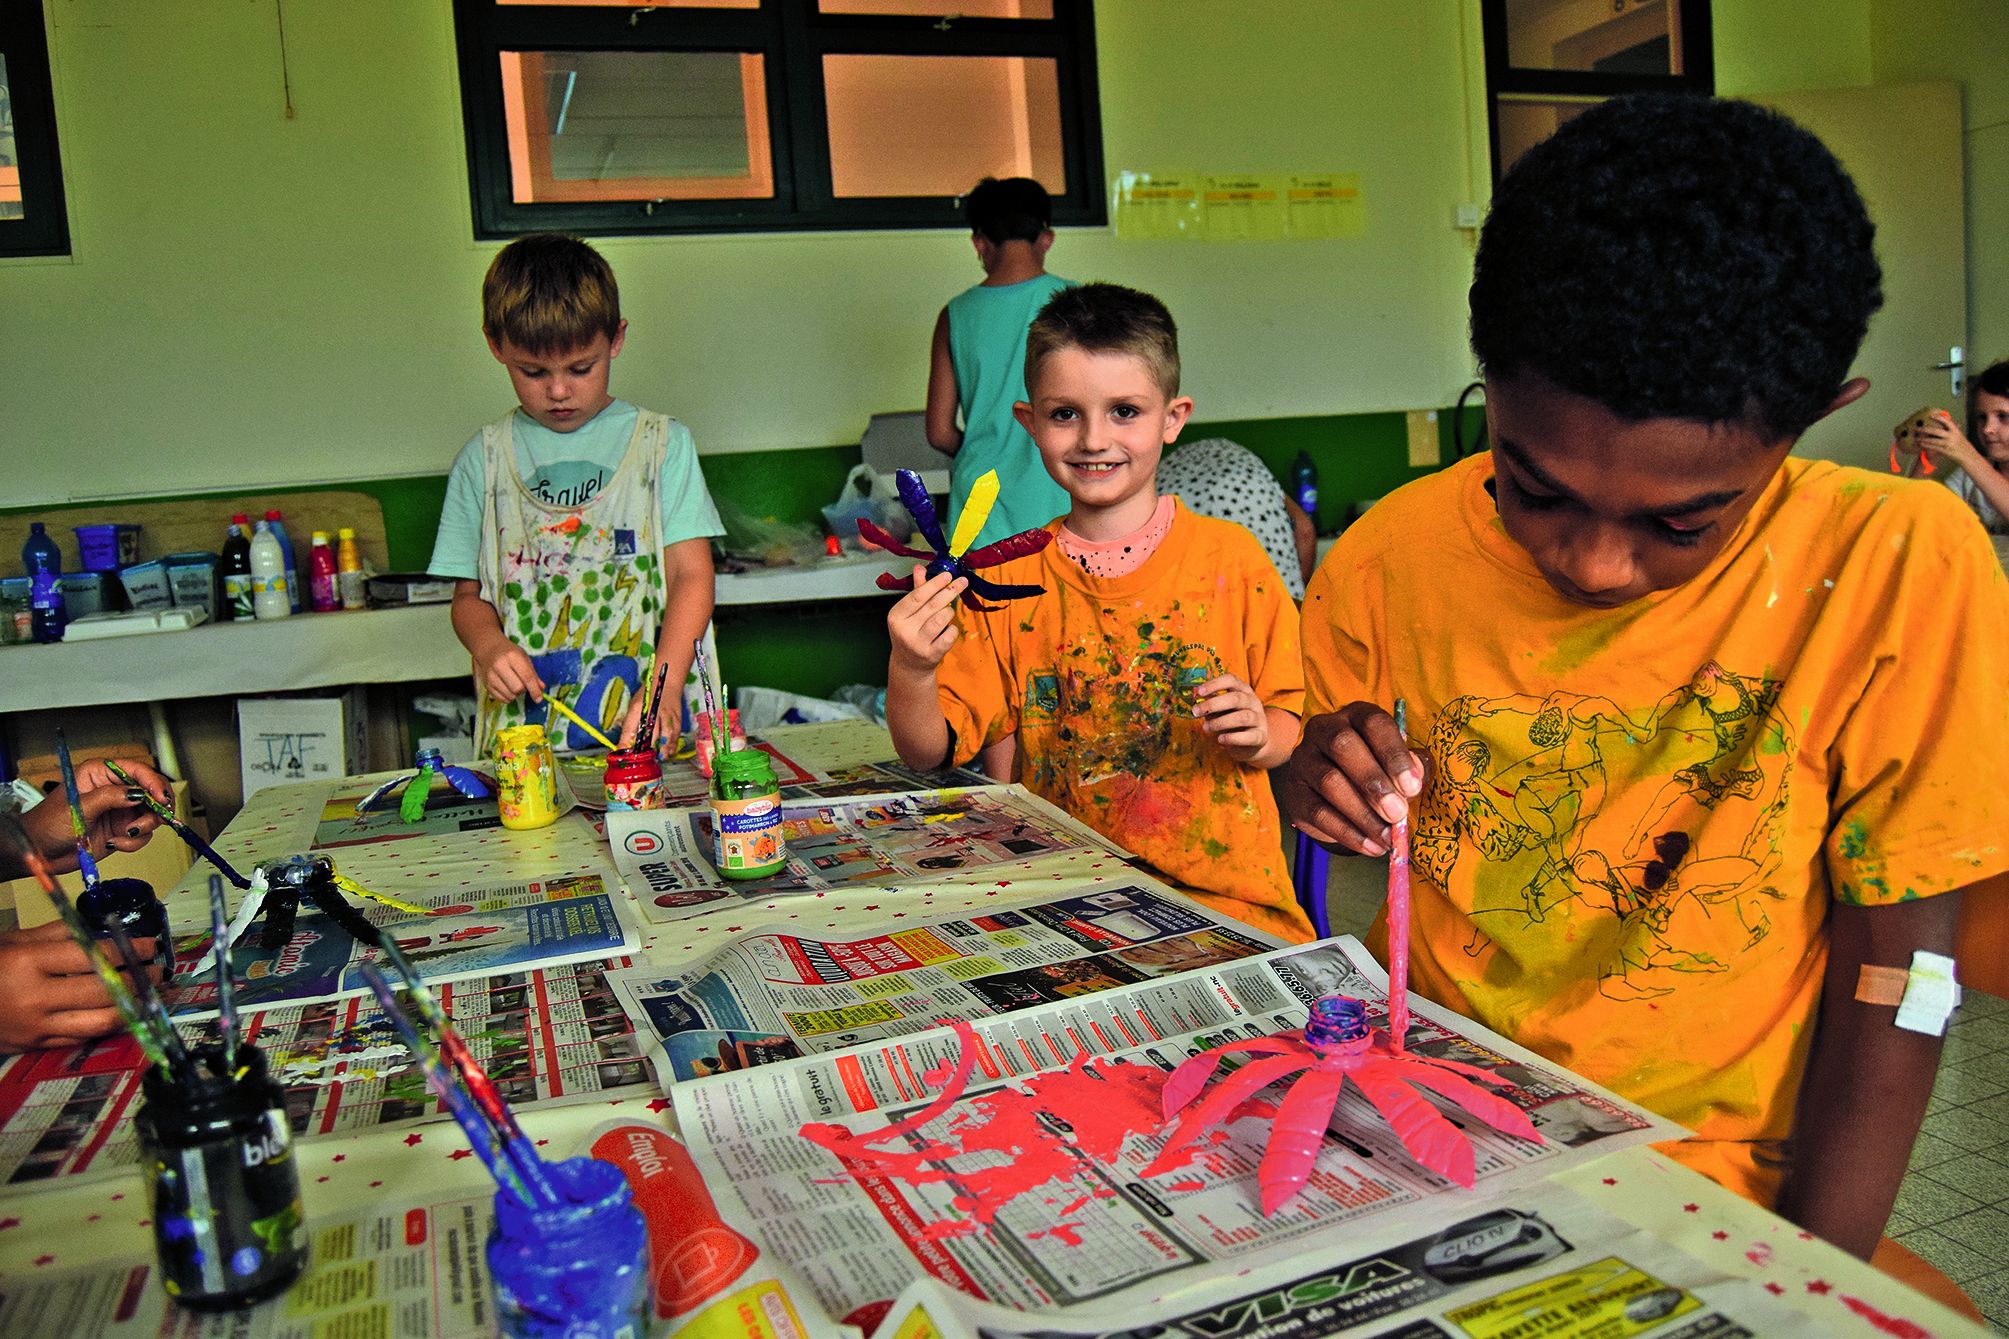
1942	438
923	623
1352	775
48	994
507	672
1233	717
667	729
113	821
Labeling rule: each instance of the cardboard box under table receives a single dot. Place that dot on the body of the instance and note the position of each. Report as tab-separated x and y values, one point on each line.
287	739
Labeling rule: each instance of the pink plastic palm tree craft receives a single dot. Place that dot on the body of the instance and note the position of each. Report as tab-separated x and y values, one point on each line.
1338	1047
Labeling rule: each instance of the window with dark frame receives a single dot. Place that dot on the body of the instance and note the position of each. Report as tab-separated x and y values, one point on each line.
1547	60
34	220
680	116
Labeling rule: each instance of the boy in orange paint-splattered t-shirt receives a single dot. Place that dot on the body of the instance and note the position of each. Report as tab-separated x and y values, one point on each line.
1151	685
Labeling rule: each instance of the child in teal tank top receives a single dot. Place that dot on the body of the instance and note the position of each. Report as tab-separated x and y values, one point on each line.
977	371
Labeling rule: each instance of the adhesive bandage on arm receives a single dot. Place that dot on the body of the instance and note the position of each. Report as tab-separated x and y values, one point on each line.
1925	996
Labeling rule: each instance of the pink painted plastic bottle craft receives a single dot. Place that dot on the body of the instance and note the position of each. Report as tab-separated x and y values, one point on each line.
1338	1047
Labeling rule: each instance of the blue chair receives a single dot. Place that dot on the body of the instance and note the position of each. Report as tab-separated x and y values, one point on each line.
1308	877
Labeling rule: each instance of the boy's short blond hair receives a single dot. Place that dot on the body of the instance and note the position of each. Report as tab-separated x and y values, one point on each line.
549	293
1106	318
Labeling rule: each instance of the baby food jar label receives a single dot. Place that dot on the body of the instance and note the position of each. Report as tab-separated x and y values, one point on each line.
747	836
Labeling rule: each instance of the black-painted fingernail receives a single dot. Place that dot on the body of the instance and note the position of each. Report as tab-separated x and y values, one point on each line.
134	795
133	831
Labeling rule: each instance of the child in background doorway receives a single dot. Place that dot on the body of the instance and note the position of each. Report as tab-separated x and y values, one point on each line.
1982	452
977	368
1702	730
578	525
1151	685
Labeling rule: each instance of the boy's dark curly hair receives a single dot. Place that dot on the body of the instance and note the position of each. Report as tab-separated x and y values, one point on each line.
1679	257
1016	209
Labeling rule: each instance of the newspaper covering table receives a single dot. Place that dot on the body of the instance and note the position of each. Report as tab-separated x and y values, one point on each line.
1104	1231
1542	1264
774	995
666	855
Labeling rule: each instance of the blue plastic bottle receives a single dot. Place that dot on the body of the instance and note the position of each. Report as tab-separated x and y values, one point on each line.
1304	485
43	562
286	548
575	1271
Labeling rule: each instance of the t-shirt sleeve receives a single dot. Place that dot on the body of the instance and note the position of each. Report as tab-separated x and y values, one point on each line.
974	682
456	552
687	511
1920	767
1275	657
1336	661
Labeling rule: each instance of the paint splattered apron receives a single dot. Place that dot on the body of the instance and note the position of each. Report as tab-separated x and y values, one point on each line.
579	588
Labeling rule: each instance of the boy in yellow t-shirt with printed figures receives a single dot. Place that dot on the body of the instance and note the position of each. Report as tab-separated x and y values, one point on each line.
1707	740
1156	677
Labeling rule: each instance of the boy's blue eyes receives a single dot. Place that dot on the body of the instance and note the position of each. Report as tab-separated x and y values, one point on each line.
1064	414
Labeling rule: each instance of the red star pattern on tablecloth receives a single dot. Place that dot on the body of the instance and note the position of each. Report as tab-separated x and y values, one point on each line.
1611	1180
1775	1290
1720	1235
6	1223
1691	1208
41	1260
413	1138
460	1153
659	1104
1820	1286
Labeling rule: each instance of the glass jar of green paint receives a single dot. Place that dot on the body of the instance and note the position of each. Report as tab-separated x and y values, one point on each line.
746	815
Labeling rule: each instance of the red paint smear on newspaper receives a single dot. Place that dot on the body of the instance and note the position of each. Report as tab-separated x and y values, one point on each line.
1003	1144
1903	1329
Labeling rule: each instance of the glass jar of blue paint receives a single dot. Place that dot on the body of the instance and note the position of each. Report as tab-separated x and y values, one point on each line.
577	1269
139	912
228	1225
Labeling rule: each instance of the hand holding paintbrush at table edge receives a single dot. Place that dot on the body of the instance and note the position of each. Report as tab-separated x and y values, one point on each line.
113	821
1351	777
49	993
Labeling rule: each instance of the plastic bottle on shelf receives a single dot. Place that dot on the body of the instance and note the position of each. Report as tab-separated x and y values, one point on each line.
321	575
349	571
237	568
269	597
43	562
278	525
1304	485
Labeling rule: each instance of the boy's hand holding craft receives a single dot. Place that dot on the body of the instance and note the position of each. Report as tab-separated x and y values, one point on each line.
1351	776
922	623
49	994
1236	719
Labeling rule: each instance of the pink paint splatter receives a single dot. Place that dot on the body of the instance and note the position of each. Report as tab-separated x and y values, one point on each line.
1008	1142
1892	1325
1068	1234
1759	1255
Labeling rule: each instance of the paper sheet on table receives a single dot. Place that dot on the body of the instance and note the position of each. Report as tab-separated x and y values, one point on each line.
548	1037
775	994
1545	1264
666	855
1121	1236
471	932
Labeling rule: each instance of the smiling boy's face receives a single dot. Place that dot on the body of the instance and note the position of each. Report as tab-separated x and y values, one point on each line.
1609	509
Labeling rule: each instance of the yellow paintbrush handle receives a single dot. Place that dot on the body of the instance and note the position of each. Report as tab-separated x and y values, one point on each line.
579	721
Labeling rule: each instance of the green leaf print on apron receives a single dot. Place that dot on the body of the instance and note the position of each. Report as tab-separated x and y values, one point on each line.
579	588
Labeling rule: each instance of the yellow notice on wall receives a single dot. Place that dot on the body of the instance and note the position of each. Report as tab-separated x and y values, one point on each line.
1157	206
1326	205
1246	208
1606	1300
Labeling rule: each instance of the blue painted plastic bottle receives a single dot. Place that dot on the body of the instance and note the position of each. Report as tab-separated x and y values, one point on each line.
577	1271
43	562
1304	485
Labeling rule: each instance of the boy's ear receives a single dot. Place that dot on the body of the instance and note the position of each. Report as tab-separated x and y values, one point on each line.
1023	413
1042	244
620	338
1176	413
1852	390
495	349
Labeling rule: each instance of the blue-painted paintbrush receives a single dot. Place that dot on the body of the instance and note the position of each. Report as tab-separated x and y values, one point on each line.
87	865
181	829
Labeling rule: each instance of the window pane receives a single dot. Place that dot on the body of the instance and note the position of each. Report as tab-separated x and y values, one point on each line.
936	125
636	125
954	9
1588	35
643	4
10	166
1526	122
